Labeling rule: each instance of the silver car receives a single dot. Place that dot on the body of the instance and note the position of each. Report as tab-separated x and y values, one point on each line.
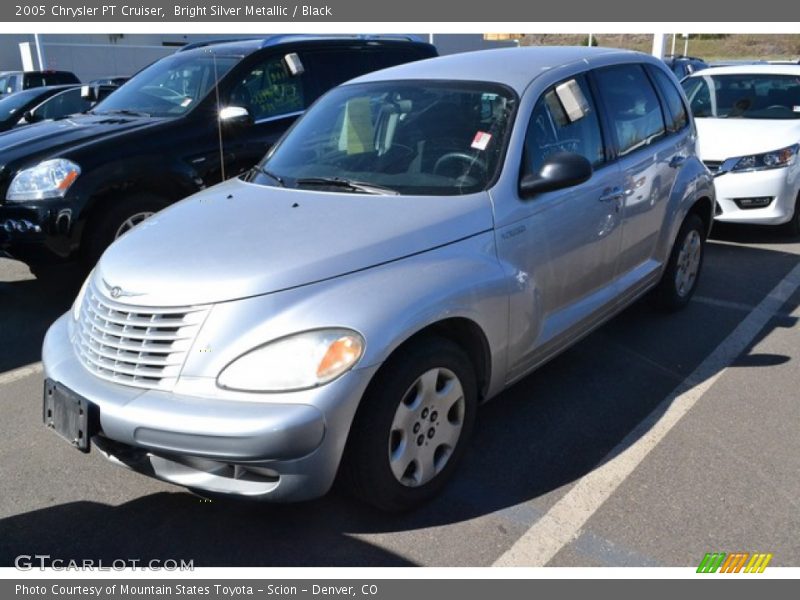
424	237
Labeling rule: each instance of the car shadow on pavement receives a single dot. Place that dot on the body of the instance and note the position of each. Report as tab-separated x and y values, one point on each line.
28	306
180	526
539	436
750	234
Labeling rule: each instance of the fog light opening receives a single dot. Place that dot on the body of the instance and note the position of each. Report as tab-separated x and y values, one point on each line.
755	202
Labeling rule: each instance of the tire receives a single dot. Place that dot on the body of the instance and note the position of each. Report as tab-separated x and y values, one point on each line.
682	273
116	220
391	443
792	228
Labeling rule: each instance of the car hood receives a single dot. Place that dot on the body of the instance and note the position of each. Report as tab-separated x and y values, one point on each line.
718	139
238	239
51	138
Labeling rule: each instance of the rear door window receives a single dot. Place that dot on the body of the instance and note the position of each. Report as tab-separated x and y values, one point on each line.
677	117
333	66
632	106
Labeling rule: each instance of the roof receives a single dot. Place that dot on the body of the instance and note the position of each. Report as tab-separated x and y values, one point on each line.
249	45
514	67
750	69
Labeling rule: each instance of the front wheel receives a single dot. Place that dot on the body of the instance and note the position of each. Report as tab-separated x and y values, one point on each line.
680	277
792	228
115	221
412	427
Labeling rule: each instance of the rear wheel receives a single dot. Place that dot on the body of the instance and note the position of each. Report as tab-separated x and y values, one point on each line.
412	427
680	277
126	213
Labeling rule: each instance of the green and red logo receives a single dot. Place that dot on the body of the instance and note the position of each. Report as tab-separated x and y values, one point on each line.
736	562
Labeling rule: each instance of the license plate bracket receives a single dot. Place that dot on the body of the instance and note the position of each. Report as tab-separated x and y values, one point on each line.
68	414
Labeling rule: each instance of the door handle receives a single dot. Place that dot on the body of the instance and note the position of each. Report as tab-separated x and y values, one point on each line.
676	161
612	194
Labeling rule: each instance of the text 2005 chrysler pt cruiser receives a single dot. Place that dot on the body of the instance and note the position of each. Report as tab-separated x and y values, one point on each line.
424	237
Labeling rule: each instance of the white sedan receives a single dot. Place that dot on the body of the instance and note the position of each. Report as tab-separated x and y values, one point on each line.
748	124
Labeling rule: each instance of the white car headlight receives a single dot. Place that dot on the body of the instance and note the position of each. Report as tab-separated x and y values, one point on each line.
768	160
300	361
49	179
76	306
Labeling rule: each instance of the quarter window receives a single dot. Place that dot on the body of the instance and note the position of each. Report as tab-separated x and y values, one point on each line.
563	120
632	106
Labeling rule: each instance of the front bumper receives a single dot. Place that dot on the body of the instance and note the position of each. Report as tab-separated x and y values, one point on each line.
38	231
781	185
283	447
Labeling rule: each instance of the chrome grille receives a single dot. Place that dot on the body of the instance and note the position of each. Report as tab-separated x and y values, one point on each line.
134	345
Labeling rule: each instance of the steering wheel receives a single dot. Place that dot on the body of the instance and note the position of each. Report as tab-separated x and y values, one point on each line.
472	161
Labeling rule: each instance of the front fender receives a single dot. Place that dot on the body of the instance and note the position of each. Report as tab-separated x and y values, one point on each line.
169	178
387	304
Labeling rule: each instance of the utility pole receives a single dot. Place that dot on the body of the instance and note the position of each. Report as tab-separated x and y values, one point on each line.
658	45
39	53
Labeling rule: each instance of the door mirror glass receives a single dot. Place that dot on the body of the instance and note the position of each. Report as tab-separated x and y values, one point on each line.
560	170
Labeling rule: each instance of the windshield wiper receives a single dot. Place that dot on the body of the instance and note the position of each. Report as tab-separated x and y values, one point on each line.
122	111
270	174
359	186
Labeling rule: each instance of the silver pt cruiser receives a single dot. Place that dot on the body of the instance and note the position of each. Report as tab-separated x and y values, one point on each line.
423	237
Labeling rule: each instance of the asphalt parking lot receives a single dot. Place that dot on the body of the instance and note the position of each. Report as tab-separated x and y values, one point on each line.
655	440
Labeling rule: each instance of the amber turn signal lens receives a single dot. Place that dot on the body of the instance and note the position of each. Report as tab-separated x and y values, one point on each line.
341	355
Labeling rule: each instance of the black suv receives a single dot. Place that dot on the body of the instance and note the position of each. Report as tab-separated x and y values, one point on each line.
683	66
16	81
79	183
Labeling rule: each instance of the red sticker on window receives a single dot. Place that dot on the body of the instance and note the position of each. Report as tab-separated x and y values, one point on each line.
481	140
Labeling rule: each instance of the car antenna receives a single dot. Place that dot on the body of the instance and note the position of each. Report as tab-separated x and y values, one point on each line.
219	122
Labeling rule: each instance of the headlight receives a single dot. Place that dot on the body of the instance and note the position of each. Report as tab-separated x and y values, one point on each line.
48	179
768	160
76	306
300	361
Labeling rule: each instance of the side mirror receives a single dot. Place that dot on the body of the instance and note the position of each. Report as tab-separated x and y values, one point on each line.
28	117
90	93
234	114
561	170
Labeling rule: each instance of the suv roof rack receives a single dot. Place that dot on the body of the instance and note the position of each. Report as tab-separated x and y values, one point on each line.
274	40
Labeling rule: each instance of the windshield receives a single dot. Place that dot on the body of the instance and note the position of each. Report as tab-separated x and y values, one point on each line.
407	137
170	87
747	96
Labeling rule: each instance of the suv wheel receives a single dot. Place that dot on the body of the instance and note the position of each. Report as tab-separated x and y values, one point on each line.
679	280
116	221
412	427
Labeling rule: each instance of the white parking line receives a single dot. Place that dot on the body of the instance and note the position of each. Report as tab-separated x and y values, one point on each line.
20	373
722	303
563	522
